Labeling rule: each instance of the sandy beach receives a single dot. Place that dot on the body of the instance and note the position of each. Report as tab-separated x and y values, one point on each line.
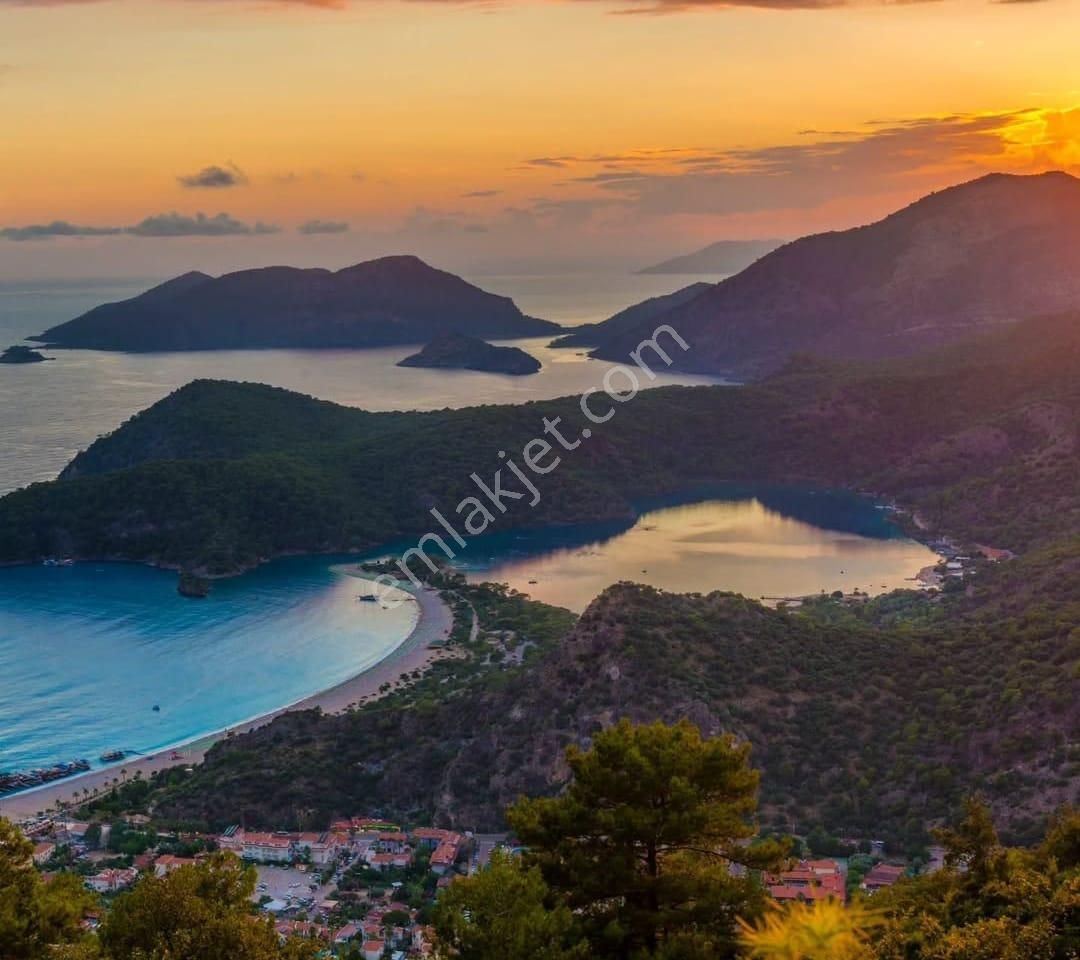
433	625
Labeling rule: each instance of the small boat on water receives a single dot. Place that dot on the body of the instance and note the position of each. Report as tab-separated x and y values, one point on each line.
111	756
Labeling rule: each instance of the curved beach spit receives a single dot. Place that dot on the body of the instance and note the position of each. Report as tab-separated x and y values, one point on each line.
418	650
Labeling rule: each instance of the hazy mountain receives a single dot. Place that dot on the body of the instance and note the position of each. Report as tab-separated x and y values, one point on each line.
386	301
989	252
723	257
595	334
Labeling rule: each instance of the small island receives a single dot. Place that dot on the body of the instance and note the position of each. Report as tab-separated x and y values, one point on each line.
455	351
190	585
19	354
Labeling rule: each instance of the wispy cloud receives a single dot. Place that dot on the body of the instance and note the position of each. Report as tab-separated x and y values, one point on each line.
161	225
313	227
885	156
478	194
214	178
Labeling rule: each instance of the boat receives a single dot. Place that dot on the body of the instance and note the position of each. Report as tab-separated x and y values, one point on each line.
111	756
367	597
20	780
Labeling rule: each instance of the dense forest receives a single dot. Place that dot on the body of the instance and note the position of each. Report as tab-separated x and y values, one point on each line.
874	718
980	441
867	716
651	853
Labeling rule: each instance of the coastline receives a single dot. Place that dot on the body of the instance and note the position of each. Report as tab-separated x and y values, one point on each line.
415	652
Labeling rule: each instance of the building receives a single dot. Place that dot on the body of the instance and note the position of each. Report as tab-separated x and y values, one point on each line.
347	933
267	847
167	863
808	881
319	848
389	861
391	841
443	857
373	949
431	837
43	852
881	875
303	929
112	881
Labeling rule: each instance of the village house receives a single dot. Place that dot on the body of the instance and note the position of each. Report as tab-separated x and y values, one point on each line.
881	875
167	863
303	929
808	881
112	881
388	861
373	949
43	852
347	933
443	857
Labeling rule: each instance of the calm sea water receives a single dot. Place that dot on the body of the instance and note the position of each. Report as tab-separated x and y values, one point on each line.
765	543
48	412
87	651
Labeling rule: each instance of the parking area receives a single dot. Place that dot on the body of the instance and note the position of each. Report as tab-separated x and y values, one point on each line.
291	885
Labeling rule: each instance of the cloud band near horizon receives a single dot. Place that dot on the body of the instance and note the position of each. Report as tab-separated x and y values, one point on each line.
162	225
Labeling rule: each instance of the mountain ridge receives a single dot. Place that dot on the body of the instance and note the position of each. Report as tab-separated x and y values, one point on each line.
955	263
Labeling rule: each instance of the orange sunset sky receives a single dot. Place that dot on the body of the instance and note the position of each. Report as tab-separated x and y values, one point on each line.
148	136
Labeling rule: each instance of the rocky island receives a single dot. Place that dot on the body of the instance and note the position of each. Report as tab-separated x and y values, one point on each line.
19	354
378	303
455	351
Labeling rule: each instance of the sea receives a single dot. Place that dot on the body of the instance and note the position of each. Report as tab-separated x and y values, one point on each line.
87	652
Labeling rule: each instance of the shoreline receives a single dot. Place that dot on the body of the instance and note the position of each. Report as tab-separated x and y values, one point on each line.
415	652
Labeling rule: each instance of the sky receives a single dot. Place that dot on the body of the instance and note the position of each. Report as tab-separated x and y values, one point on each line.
147	137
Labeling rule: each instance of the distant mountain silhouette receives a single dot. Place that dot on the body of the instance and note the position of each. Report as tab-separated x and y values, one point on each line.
960	261
722	258
596	334
392	300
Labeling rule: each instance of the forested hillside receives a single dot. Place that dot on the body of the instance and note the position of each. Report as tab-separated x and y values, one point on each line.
981	441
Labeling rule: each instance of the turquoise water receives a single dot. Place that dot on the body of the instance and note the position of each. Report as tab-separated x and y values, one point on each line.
87	651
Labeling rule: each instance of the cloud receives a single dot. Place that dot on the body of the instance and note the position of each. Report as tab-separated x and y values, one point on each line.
312	227
476	194
898	156
58	228
179	225
214	178
555	162
162	225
